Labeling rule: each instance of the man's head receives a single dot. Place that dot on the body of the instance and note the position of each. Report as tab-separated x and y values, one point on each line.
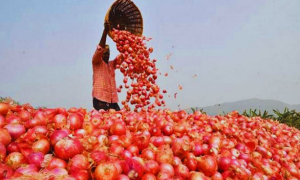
106	53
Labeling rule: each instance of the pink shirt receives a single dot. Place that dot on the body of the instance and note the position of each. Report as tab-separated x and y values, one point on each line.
104	83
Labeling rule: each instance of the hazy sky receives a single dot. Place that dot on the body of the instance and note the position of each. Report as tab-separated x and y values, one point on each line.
238	50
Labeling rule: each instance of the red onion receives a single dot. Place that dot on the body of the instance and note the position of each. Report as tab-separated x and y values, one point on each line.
99	156
148	176
207	164
41	145
122	177
59	121
5	171
181	171
67	148
2	152
78	162
152	167
15	130
55	163
74	121
15	160
133	169
166	167
27	169
57	135
118	128
36	158
81	175
106	170
2	121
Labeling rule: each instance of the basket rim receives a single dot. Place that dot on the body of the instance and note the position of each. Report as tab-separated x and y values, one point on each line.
138	10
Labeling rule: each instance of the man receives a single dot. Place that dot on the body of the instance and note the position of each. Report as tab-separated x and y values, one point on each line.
104	84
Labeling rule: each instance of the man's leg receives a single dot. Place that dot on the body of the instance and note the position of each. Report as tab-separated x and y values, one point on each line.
97	104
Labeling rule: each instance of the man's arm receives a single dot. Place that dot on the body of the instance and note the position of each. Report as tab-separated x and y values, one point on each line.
104	34
100	50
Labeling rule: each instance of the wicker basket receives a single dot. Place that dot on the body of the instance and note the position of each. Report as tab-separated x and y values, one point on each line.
125	14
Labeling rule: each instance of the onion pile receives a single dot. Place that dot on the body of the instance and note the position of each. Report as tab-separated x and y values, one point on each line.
160	144
135	64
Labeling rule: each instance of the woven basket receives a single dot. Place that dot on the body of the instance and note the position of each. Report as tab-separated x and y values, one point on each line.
125	14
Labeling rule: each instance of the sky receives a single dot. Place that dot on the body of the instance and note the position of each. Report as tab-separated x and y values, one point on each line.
221	51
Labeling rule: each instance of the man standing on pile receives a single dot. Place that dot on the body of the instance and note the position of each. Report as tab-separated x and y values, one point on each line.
104	84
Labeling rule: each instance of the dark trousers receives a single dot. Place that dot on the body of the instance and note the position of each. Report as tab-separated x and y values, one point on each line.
104	105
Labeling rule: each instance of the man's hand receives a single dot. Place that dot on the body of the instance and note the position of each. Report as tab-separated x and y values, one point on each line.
106	27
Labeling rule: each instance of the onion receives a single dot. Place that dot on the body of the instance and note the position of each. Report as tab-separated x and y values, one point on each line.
67	148
59	173
224	163
59	121
2	152
197	176
41	145
56	163
5	137
105	171
13	119
78	162
182	171
133	169
133	149
35	122
41	130
217	176
24	115
81	175
56	136
141	140
2	121
36	158
191	163
15	160
13	147
118	128
99	156
74	121
15	130
122	177
27	169
148	154
5	171
4	108
148	176
152	167
167	168
207	164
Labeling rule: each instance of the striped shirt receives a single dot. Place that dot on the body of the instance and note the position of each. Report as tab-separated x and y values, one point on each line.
104	83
